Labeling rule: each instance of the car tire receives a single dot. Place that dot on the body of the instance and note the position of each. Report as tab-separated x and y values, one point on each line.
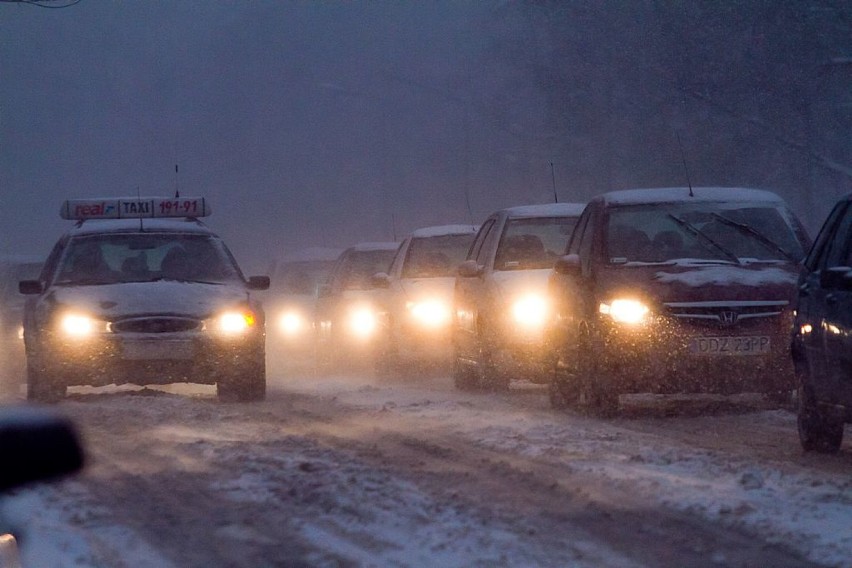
597	390
490	377
817	431
465	377
41	386
563	388
247	384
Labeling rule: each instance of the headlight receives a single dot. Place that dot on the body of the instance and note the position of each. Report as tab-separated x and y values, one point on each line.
80	326
235	322
292	322
362	322
530	311
631	312
429	313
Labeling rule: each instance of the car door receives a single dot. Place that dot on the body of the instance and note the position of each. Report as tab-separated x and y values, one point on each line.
831	310
469	289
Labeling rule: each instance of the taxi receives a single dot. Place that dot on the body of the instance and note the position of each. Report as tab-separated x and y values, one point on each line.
140	291
500	308
676	290
416	309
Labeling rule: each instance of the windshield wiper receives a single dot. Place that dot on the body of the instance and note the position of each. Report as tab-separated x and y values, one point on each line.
693	230
760	237
85	282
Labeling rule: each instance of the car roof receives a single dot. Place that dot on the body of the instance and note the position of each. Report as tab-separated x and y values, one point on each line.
103	226
444	230
545	210
682	194
311	254
371	246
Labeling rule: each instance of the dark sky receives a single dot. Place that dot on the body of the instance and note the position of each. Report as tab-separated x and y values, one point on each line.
305	123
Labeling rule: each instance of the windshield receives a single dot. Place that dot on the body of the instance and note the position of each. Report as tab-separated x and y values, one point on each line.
715	232
302	277
146	257
533	243
357	267
431	257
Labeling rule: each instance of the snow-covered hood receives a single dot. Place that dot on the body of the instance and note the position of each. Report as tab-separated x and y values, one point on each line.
511	283
691	283
162	297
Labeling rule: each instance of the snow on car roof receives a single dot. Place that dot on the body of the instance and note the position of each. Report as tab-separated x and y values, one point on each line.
368	246
703	194
132	226
443	230
546	210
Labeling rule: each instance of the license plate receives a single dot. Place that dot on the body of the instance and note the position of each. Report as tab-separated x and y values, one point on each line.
735	346
157	350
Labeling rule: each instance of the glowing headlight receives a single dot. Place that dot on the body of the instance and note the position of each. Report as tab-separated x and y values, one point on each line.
530	311
80	326
292	323
235	322
362	322
430	313
631	312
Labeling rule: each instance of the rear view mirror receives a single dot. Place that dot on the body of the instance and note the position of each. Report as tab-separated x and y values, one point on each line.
836	278
258	283
568	265
469	269
36	444
30	287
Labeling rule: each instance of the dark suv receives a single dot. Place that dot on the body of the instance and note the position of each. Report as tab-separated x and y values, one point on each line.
676	291
822	347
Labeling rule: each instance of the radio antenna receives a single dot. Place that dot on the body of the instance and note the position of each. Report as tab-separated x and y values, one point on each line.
177	188
553	178
683	159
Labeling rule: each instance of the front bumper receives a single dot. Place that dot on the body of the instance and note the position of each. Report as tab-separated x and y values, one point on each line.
197	357
670	356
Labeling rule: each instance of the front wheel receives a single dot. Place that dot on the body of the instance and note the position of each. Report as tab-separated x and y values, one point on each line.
817	431
246	384
598	390
42	386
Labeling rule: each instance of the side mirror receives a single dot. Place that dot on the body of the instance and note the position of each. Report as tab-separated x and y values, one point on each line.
30	287
36	444
258	283
836	278
380	280
470	269
568	265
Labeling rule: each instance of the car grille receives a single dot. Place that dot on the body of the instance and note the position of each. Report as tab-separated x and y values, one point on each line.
724	313
156	325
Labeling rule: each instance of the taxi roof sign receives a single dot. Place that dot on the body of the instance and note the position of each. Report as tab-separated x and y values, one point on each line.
134	208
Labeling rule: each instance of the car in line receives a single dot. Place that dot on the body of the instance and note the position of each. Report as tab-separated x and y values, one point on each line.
676	290
500	308
140	291
416	307
347	313
13	269
822	335
290	305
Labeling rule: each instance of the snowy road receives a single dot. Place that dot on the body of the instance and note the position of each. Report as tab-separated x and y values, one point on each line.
347	471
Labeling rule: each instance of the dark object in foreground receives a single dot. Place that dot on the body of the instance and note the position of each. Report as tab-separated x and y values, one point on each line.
36	444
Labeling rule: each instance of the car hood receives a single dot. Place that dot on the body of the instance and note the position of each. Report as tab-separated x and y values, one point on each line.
511	283
689	283
414	288
191	299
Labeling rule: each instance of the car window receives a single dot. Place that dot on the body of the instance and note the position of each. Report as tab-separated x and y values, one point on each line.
533	242
839	248
138	257
357	267
303	277
430	257
737	232
816	258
